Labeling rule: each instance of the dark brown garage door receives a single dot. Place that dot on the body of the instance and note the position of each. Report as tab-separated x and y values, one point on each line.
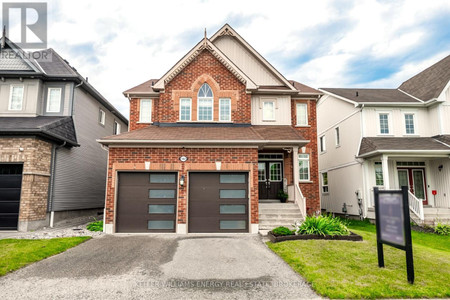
147	202
10	186
218	202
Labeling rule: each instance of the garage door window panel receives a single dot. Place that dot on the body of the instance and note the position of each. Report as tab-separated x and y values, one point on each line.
162	178
161	194
161	225
233	209
232	194
232	178
161	209
233	224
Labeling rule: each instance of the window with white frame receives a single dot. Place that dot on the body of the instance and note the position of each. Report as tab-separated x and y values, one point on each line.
145	111
384	123
337	136
225	110
409	124
268	111
16	97
303	164
379	181
116	127
302	114
324	182
205	103
185	109
322	144
101	116
54	100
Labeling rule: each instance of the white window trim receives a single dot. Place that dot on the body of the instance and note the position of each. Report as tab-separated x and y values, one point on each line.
117	127
390	127
102	120
198	109
10	96
337	136
309	167
375	164
296	114
140	111
323	184
414	120
274	109
220	111
48	100
190	109
324	144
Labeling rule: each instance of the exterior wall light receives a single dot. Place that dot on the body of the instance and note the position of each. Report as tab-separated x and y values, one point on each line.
440	168
182	180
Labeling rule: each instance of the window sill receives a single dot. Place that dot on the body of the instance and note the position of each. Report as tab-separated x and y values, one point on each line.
269	120
305	126
411	135
325	193
216	122
144	122
306	181
385	134
323	152
338	146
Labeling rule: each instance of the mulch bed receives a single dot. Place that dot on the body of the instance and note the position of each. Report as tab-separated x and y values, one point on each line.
352	237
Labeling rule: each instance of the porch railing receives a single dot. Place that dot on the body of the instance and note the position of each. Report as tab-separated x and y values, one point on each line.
300	199
416	205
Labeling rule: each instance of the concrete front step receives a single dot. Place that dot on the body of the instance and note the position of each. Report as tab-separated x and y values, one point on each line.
272	226
272	215
280	215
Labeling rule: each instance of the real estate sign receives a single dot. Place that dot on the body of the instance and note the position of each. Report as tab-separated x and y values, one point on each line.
393	227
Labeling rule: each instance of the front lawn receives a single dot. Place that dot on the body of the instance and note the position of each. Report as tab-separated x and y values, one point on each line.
17	253
342	269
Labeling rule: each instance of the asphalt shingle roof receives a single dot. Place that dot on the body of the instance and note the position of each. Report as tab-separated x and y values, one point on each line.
386	144
372	95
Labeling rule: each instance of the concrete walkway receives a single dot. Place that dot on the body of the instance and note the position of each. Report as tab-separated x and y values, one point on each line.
160	267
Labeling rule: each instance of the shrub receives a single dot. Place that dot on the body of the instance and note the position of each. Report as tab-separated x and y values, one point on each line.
322	225
282	231
95	226
442	229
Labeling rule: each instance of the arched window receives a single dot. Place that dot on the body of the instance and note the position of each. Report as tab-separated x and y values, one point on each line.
205	103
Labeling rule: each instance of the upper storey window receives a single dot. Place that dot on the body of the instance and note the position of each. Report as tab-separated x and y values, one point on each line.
205	103
268	111
16	97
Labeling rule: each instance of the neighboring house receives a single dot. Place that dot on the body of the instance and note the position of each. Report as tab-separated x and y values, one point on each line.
51	167
387	138
221	131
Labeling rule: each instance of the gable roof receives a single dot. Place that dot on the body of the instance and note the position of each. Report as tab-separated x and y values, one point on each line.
227	30
241	135
359	95
59	129
145	88
304	89
204	45
429	83
376	145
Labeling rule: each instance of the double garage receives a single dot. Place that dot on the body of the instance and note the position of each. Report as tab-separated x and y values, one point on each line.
216	201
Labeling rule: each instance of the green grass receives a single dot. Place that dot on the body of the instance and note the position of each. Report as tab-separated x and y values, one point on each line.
95	226
343	269
17	253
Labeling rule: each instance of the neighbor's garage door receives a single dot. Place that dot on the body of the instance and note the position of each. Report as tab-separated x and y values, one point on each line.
218	202
147	202
10	184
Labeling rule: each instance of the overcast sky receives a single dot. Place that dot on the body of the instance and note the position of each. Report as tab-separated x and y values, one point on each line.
119	44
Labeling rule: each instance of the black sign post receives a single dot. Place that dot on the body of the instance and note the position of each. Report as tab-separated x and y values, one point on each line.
393	227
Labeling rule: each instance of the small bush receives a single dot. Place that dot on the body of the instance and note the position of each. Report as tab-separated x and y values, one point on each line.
95	226
442	229
322	225
282	231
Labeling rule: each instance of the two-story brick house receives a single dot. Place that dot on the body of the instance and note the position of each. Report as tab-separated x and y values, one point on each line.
219	133
51	167
387	138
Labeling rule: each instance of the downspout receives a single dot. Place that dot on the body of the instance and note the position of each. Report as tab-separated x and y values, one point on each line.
73	95
52	183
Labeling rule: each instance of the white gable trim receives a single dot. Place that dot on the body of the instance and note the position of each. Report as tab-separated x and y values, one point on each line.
205	44
228	30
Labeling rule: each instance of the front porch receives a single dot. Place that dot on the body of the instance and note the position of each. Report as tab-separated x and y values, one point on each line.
427	178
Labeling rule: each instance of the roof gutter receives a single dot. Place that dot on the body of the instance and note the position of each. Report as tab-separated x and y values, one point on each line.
205	142
34	131
426	152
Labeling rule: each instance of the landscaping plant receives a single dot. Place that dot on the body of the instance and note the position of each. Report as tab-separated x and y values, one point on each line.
442	229
282	231
95	226
322	225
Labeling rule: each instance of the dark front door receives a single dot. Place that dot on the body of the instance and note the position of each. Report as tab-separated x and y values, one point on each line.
10	186
218	202
147	202
270	178
414	179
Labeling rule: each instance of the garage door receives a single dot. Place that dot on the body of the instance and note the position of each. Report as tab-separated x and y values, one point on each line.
218	202
10	185
147	202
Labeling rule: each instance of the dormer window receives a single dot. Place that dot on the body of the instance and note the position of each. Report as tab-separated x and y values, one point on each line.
205	103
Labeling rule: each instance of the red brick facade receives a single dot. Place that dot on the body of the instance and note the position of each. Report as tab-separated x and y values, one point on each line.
199	159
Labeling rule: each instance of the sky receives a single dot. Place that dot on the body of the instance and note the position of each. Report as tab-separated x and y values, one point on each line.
361	43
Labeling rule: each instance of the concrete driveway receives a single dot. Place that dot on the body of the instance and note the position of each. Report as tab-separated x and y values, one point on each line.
160	267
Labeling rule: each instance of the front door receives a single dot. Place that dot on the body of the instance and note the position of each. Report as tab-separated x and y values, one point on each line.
270	178
415	180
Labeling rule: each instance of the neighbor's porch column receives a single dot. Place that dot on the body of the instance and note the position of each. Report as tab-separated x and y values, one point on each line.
296	174
384	165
